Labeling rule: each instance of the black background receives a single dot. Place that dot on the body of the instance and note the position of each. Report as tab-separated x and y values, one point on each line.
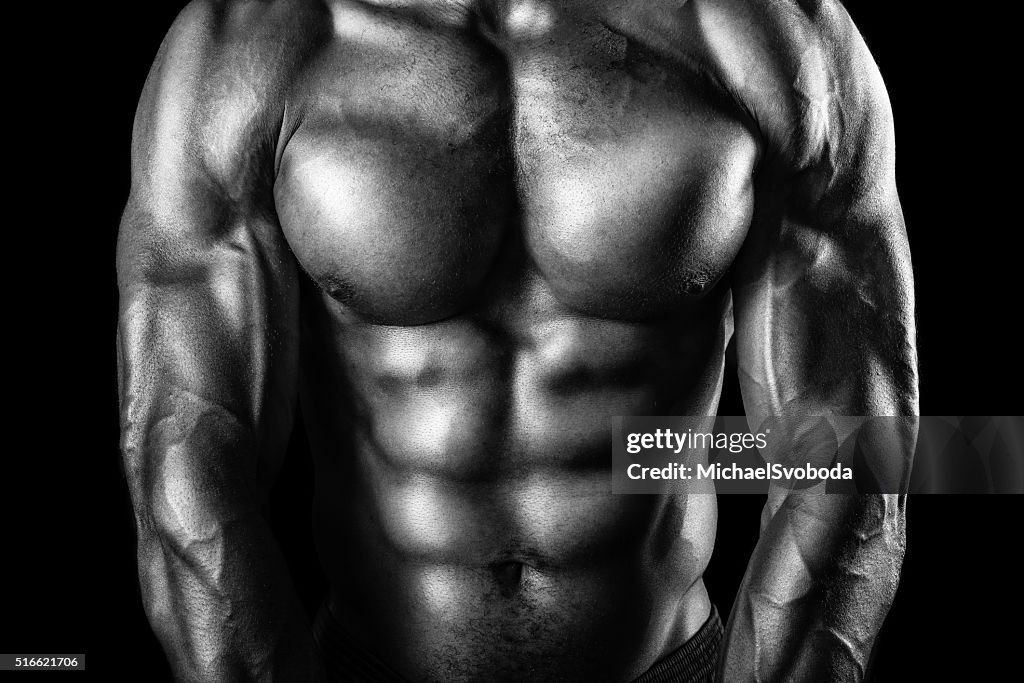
69	582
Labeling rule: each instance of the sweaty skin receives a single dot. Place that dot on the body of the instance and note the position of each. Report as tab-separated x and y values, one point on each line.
463	236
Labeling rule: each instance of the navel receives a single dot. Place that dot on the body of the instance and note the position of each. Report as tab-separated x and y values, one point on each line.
508	575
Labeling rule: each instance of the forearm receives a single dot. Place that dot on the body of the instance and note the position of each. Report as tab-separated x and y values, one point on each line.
818	587
215	587
222	606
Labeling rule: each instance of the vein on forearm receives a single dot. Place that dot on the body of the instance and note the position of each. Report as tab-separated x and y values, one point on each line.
822	583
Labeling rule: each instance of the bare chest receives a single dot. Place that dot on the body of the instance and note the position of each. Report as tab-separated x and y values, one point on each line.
427	167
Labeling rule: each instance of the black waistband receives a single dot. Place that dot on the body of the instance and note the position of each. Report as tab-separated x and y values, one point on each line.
345	659
694	661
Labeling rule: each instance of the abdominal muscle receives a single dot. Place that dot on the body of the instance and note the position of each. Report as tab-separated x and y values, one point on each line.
463	510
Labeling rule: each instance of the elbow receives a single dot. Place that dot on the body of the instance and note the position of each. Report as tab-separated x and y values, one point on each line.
879	527
880	519
186	470
179	509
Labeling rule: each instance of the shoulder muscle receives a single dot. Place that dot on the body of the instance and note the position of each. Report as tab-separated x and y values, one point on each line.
215	96
804	71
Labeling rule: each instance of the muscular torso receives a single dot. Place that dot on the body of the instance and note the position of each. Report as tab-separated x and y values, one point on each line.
515	220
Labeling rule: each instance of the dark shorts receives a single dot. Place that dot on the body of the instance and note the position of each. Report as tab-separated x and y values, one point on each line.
346	660
694	661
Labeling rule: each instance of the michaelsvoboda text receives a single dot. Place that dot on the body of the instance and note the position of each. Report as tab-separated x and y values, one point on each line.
770	472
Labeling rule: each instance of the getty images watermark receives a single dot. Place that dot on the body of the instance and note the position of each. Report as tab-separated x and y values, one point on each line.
695	442
820	454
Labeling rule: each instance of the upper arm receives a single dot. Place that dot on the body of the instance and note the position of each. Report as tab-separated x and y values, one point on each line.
208	292
823	287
